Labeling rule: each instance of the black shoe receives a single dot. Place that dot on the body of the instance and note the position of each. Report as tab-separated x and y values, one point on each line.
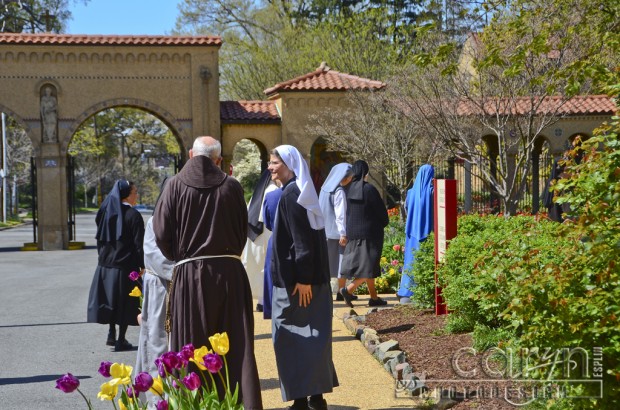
111	341
299	405
259	307
339	297
346	296
122	345
377	302
317	404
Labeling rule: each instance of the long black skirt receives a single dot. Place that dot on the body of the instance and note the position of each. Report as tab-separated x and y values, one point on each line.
361	259
109	301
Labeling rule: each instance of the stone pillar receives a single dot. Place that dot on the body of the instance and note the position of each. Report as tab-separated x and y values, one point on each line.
52	198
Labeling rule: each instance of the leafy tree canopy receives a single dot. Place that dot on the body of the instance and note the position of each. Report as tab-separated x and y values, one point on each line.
34	16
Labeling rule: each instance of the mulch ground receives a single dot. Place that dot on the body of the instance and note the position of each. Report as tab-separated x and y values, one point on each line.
430	351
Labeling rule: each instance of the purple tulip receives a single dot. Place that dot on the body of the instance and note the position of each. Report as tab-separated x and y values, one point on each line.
130	392
213	362
104	369
161	369
171	361
143	382
175	384
192	381
167	362
134	276
68	383
186	353
162	405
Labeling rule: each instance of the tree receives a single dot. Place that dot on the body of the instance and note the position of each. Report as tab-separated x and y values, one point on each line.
269	42
509	83
34	16
376	127
18	153
123	142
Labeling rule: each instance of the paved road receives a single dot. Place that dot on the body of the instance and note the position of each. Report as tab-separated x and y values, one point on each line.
43	334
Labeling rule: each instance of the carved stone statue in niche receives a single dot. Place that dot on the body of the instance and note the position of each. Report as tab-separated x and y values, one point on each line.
49	114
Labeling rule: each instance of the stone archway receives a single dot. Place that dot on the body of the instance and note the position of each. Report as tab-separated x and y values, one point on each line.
177	128
52	82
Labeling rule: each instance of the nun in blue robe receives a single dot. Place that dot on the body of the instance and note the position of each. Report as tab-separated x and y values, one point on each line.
419	208
270	207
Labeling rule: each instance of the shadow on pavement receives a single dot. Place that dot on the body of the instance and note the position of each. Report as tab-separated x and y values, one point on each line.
34	379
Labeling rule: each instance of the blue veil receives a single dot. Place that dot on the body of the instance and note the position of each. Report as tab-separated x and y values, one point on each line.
419	207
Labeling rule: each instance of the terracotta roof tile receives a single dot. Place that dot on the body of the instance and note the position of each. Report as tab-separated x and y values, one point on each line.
578	105
249	112
326	79
107	40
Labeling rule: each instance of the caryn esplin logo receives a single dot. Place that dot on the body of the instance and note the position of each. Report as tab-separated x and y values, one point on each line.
518	376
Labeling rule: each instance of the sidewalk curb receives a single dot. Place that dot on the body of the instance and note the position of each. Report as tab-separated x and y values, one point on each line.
408	383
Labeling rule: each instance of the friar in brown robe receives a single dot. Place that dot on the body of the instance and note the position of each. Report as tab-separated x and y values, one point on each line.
202	216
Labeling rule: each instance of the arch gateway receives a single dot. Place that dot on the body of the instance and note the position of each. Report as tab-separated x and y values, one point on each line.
51	83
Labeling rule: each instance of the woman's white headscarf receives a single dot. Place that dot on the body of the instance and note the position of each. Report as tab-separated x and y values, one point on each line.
307	198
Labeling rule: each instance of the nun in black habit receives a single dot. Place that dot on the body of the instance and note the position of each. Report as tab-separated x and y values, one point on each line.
302	303
120	233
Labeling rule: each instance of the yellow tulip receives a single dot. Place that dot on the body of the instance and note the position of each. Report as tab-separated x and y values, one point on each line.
136	292
121	373
121	406
108	391
158	386
391	271
384	260
219	343
199	355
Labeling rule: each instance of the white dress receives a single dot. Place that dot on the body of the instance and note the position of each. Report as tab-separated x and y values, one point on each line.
253	256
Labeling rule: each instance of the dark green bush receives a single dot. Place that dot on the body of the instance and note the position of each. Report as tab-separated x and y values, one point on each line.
488	257
424	273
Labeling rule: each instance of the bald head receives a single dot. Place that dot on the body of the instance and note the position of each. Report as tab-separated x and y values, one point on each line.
208	147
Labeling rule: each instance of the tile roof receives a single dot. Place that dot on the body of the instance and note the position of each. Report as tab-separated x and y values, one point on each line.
325	79
249	112
107	40
578	105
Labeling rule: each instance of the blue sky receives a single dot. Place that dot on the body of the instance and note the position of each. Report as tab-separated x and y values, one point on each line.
122	17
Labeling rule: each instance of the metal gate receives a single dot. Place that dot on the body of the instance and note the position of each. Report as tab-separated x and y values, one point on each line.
71	197
33	185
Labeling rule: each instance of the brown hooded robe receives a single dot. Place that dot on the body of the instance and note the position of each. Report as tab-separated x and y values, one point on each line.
202	212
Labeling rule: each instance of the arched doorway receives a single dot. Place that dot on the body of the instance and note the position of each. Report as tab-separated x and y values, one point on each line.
118	142
249	159
322	159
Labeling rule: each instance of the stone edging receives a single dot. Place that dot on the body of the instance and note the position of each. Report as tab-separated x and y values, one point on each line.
407	383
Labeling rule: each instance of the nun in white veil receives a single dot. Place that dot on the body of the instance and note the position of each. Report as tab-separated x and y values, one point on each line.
302	303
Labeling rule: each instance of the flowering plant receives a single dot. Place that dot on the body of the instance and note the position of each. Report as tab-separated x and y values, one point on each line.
136	292
177	387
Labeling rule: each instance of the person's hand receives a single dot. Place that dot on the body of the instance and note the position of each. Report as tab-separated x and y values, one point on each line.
343	240
140	319
305	294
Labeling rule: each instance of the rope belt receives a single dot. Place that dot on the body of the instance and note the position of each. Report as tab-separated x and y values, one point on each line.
168	321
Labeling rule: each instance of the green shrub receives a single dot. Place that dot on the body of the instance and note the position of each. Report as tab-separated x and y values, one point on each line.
486	337
423	271
581	303
488	257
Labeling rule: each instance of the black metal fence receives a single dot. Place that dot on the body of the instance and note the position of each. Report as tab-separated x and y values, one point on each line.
475	193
